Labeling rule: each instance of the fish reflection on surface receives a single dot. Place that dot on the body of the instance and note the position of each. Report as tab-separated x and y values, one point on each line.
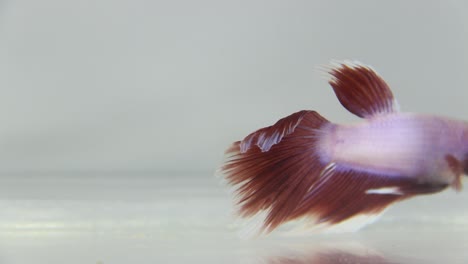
355	254
332	257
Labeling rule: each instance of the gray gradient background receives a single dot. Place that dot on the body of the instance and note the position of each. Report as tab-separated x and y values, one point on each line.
153	85
115	114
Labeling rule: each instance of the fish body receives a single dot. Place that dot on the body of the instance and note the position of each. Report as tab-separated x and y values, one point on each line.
305	167
407	144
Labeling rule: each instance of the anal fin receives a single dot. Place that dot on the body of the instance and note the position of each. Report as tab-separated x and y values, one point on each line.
356	195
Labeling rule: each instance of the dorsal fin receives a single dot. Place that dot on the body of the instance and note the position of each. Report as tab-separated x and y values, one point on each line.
361	90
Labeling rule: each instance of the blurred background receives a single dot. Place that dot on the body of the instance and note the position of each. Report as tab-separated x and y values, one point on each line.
166	85
114	115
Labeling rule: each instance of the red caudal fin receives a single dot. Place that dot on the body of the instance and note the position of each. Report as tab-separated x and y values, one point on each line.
266	137
273	168
279	173
361	90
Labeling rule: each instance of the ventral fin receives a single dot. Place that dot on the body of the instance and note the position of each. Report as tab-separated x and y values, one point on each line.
457	169
361	90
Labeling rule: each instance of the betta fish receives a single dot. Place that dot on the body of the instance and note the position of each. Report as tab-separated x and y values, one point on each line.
307	169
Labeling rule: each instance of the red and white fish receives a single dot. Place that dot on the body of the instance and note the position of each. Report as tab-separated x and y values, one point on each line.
306	168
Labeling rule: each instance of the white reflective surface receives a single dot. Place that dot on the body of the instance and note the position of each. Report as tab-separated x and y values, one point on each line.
186	218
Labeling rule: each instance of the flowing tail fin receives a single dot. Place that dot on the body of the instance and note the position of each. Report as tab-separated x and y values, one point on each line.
272	167
279	172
